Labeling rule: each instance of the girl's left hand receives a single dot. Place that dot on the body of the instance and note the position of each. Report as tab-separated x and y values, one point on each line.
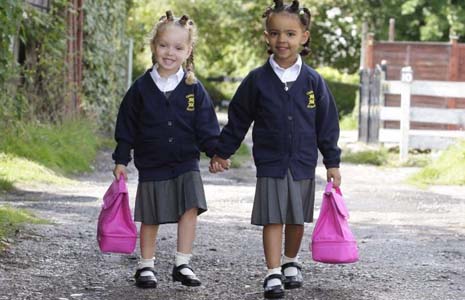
217	164
333	174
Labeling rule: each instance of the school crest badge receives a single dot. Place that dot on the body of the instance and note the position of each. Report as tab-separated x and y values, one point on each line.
190	102
311	99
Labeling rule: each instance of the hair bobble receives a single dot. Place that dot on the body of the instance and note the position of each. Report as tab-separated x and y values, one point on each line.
278	4
183	20
295	6
169	16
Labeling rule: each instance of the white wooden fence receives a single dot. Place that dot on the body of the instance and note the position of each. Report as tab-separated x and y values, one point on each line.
431	139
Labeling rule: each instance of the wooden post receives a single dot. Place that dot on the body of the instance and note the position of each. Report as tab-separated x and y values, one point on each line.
392	29
382	83
406	78
363	46
370	53
363	105
453	75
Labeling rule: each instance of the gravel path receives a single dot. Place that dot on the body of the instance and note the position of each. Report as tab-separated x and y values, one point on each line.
411	241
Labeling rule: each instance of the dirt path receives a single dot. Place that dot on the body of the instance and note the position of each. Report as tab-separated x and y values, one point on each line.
412	243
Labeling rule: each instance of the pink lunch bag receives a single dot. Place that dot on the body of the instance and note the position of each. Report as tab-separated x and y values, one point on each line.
116	231
332	240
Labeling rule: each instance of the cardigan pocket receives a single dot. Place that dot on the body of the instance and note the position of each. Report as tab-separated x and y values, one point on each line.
307	148
155	152
189	149
267	147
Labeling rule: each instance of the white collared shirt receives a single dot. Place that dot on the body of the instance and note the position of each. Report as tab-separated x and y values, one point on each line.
166	84
287	75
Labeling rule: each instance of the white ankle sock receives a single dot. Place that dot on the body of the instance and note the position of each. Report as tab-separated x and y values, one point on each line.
274	281
290	271
143	263
183	259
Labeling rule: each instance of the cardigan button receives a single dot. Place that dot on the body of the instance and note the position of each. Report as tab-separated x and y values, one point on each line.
290	118
170	140
170	123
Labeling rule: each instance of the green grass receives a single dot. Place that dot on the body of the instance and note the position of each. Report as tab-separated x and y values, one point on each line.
381	156
68	147
375	157
14	169
12	218
447	169
36	152
241	156
5	185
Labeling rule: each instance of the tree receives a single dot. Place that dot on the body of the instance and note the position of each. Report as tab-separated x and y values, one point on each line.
231	32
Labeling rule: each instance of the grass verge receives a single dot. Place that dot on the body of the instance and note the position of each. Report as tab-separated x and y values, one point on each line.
447	169
11	219
36	152
381	156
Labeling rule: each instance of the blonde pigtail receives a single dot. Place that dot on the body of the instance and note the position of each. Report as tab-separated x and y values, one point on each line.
190	75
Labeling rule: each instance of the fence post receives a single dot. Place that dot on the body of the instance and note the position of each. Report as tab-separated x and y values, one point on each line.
406	78
363	105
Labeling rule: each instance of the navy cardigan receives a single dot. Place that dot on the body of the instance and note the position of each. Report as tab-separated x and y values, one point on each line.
167	134
289	126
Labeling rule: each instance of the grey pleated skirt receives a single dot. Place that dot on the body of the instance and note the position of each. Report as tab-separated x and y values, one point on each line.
165	201
283	201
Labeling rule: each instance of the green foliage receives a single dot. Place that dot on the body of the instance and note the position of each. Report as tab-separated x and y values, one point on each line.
105	59
447	169
344	88
375	157
36	88
416	20
345	95
5	185
335	35
348	122
69	146
10	18
12	218
333	74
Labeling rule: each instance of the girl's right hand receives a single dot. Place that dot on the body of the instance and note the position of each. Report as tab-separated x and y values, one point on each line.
217	164
120	170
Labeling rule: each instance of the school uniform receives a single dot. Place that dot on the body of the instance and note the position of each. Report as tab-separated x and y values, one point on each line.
293	117
167	123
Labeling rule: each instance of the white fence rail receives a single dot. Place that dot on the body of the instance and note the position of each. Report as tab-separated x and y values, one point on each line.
433	139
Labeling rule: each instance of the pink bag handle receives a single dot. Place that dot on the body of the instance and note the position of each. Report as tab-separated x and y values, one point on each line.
122	184
117	187
338	201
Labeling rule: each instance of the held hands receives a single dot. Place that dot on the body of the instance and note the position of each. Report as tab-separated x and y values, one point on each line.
120	170
334	175
217	164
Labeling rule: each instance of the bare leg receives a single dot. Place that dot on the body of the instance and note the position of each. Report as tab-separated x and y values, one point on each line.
186	231
148	236
272	244
293	238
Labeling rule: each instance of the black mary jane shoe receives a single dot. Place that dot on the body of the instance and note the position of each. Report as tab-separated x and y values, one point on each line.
275	291
187	280
146	282
292	282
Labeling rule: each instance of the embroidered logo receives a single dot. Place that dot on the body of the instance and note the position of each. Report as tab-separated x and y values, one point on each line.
311	99
190	102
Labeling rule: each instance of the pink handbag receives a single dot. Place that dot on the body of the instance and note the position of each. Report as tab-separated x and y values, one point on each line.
116	231
332	240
